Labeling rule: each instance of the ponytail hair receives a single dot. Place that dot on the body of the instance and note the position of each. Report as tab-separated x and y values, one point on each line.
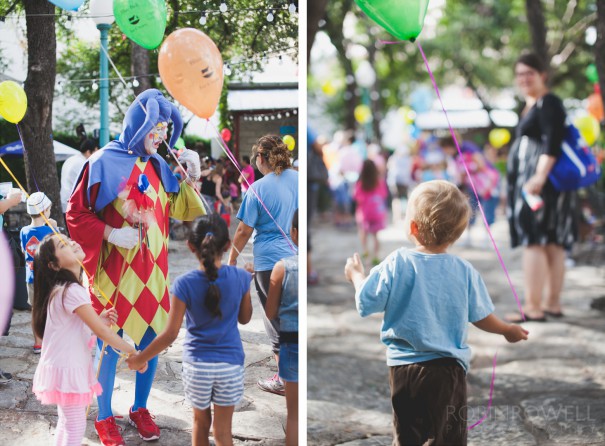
209	238
46	279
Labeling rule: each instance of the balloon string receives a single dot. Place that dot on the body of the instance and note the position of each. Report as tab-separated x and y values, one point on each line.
250	186
31	168
489	232
391	42
55	231
491	392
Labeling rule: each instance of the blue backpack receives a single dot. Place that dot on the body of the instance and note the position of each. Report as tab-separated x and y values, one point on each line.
577	166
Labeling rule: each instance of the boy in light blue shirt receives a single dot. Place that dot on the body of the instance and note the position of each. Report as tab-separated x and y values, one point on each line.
428	298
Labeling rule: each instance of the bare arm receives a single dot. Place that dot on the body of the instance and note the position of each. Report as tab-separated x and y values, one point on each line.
165	338
10	201
245	309
274	293
492	324
241	237
98	327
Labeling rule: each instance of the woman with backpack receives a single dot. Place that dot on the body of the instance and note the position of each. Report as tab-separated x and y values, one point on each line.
541	219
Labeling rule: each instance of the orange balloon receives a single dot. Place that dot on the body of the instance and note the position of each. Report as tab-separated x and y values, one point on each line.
191	68
595	106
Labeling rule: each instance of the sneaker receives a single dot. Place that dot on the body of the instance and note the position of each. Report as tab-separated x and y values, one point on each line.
143	421
5	377
109	432
273	385
37	349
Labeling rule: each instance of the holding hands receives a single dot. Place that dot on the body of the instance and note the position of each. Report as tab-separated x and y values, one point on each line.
134	362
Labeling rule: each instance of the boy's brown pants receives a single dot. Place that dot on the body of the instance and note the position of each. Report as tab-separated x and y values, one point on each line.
429	403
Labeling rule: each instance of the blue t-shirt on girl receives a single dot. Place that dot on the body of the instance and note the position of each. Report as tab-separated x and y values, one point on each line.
212	339
31	236
428	301
280	194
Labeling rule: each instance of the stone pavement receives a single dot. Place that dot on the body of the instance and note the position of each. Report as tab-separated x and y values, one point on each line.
260	418
549	390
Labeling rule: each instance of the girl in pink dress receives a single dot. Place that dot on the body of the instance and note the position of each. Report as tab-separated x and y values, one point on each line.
62	315
371	213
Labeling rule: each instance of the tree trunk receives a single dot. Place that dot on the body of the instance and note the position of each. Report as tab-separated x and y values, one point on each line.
376	104
139	67
40	167
600	46
537	29
316	10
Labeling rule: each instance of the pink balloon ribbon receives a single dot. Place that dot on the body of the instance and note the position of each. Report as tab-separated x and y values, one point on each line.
491	392
489	232
250	186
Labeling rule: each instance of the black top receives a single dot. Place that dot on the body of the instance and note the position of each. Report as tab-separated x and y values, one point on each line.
545	122
208	186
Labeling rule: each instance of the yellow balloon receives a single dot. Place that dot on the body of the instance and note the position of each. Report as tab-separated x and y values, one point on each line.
363	113
289	141
589	128
13	101
499	137
328	88
407	114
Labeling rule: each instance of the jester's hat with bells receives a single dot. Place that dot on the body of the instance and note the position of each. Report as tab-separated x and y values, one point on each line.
111	167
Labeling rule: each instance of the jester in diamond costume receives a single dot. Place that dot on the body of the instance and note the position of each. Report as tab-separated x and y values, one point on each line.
127	255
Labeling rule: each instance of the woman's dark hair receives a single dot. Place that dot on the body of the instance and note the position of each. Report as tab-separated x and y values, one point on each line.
46	278
533	61
295	220
368	175
275	151
209	238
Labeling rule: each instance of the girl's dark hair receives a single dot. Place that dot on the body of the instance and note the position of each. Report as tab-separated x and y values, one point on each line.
368	175
209	238
532	60
46	278
246	159
275	151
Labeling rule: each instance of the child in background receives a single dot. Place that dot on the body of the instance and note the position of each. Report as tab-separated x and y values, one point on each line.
214	298
38	207
63	316
371	213
282	301
426	320
224	208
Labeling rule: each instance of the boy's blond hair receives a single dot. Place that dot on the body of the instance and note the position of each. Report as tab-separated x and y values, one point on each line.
441	212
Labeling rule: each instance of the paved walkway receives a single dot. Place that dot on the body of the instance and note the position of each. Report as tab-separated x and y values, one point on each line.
549	390
260	418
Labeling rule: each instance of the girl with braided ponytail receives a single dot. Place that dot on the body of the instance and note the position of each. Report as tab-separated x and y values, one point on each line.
214	298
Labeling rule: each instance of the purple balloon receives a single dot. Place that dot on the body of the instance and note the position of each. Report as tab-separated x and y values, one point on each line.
7	288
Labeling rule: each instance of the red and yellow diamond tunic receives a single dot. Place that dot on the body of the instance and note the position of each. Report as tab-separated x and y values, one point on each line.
135	280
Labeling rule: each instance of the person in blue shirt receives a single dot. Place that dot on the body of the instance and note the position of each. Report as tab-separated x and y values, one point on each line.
213	298
268	220
428	297
38	207
282	302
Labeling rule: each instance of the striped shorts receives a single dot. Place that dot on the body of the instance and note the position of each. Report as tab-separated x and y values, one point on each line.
219	383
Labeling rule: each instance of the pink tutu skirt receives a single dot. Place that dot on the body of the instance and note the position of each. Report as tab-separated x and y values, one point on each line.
75	386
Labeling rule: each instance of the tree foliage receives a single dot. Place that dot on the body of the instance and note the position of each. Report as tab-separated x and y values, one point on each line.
475	43
242	35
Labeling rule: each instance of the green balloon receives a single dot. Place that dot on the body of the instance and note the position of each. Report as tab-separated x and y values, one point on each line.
180	143
143	21
402	18
592	74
